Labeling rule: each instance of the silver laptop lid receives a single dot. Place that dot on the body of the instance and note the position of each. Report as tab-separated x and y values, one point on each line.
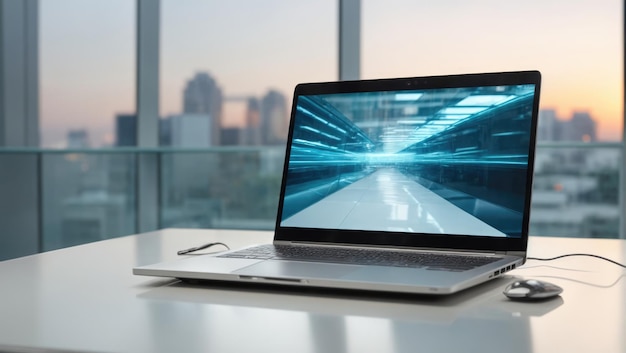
435	162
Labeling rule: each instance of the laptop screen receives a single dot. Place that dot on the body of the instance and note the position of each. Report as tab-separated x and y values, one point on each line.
442	160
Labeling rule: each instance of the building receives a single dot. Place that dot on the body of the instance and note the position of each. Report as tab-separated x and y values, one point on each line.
252	130
273	118
549	127
580	127
202	95
165	132
231	136
78	139
126	130
191	130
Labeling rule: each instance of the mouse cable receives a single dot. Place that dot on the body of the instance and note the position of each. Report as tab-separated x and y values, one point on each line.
567	255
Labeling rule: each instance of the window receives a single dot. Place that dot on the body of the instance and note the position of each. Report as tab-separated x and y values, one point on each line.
228	70
577	47
579	50
87	90
87	77
86	197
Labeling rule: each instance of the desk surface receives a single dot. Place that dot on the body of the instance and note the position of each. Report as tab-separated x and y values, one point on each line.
86	299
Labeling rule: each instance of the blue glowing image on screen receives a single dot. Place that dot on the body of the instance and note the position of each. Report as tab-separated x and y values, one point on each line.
444	161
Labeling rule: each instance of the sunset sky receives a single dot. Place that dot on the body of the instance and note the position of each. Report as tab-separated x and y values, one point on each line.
87	51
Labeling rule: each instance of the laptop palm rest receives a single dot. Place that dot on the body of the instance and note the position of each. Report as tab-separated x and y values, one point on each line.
296	270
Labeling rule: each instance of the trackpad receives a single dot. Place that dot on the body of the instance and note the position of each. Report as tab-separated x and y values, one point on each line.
296	269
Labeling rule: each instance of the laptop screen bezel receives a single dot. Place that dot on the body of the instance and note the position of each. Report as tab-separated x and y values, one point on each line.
414	240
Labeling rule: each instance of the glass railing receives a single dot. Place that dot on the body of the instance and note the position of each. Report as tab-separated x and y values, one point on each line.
576	190
86	197
227	188
89	195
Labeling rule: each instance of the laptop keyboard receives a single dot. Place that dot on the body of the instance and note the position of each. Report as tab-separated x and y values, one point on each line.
360	256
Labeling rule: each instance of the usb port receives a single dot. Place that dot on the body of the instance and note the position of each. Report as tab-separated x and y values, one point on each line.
496	273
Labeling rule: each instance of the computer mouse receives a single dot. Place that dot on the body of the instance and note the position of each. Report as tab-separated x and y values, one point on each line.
531	289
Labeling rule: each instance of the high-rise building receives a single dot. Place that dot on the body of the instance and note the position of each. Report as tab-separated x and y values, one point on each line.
232	136
549	127
582	127
165	132
252	130
191	130
274	124
202	95
78	139
126	130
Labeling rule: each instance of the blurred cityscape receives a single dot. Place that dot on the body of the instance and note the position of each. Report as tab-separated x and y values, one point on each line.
201	122
199	190
575	188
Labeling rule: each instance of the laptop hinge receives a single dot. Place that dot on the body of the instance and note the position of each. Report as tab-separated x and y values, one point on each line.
282	242
516	253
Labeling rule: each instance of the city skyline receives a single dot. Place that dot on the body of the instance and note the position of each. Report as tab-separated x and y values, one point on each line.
200	123
260	124
575	45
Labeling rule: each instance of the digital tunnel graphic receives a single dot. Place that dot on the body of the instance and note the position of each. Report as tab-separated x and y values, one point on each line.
444	161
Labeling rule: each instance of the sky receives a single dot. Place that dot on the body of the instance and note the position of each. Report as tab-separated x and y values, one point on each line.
87	52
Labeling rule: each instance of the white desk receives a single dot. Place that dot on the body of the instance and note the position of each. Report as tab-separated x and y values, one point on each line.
86	299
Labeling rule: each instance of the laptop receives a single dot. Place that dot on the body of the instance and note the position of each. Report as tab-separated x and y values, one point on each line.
407	185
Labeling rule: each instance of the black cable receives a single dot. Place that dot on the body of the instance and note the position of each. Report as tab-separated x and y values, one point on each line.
567	255
187	251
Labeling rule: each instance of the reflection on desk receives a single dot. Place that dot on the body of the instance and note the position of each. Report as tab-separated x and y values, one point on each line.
340	320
